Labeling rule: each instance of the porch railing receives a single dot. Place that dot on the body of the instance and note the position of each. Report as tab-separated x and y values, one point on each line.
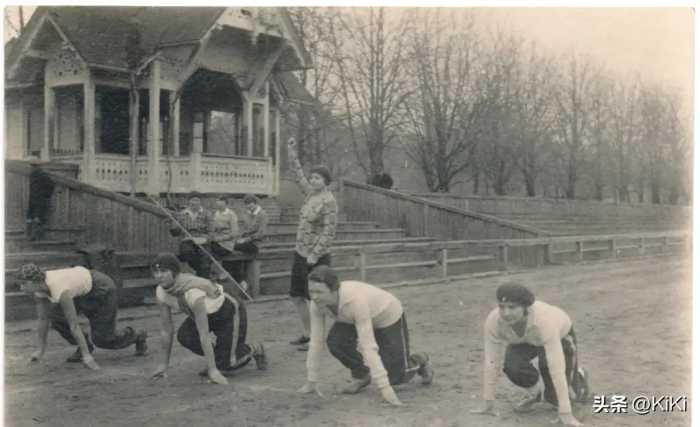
206	173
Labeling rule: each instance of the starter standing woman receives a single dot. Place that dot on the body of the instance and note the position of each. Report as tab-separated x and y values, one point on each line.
316	231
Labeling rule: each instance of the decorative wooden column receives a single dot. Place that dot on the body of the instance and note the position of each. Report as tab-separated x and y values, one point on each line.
266	120
248	121
278	143
49	113
134	112
175	123
197	148
153	187
89	173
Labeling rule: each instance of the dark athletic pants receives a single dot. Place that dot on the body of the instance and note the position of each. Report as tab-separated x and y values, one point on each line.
100	307
221	324
521	372
393	350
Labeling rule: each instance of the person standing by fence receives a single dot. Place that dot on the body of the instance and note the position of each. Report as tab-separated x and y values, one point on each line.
315	233
41	188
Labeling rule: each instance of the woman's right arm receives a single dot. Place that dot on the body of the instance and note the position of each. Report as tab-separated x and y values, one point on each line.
296	165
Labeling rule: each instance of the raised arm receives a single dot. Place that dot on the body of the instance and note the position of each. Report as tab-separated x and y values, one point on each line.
296	165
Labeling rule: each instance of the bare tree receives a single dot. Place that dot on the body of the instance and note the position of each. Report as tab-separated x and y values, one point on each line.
498	146
369	52
651	150
572	98
624	134
533	116
680	159
316	129
444	109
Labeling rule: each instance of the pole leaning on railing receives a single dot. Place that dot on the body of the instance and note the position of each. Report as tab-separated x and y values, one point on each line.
203	249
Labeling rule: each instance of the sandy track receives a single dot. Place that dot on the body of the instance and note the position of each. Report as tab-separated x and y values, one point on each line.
632	320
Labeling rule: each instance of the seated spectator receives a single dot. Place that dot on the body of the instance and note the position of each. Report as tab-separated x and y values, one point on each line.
198	223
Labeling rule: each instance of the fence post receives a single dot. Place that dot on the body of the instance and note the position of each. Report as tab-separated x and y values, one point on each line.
503	253
443	261
579	250
363	265
664	248
613	248
548	256
642	249
425	219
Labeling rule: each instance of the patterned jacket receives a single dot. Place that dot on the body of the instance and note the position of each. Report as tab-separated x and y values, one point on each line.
317	217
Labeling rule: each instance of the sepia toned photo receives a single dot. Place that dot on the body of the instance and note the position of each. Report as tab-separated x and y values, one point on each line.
348	216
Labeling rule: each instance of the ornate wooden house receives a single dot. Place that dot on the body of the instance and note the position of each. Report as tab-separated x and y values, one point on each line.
154	99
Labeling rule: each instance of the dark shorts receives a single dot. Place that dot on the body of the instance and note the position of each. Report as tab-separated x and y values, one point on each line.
299	286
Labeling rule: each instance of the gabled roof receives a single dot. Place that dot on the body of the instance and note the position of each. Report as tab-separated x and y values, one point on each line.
100	33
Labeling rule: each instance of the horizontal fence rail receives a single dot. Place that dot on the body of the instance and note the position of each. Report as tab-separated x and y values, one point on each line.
420	217
500	254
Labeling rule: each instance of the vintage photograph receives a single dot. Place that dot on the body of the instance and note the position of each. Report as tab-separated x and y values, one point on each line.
348	216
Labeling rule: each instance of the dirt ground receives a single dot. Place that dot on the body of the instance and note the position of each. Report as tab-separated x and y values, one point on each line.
632	319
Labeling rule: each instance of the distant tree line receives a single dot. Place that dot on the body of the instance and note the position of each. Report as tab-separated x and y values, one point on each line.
486	107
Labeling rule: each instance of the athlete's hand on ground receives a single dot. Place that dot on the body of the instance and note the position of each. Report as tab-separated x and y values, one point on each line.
486	408
390	396
311	387
568	420
216	377
160	372
89	361
36	356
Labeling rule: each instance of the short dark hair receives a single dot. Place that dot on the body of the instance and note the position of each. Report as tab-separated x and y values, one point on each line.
250	198
327	275
222	199
166	261
514	292
194	194
323	172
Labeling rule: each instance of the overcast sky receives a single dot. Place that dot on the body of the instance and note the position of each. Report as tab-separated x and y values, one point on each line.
656	43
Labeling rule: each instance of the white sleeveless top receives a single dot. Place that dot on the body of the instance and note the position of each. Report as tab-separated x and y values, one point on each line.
77	279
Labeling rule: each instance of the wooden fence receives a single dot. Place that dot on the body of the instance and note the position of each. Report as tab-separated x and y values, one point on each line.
120	222
420	217
383	263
